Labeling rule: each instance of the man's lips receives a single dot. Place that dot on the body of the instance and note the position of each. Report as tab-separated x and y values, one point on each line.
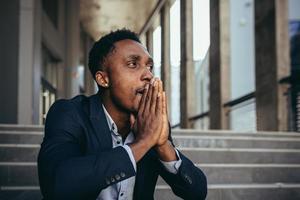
140	91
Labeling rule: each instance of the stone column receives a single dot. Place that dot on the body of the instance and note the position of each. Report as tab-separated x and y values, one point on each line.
9	40
72	47
89	82
187	99
165	51
37	62
272	64
29	78
149	41
219	63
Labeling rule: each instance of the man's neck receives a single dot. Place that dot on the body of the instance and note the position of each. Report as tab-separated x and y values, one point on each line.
121	118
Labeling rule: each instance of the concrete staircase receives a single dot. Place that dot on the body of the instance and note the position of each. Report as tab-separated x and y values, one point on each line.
244	166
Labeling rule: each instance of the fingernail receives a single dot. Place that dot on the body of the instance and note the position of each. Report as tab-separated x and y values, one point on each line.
152	81
147	86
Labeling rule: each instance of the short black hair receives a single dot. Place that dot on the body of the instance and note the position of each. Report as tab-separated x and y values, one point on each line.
105	45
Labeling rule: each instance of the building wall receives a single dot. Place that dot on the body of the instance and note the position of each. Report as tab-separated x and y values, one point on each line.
26	32
9	43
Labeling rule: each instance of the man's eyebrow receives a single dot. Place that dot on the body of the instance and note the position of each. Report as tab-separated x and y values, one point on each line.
134	57
137	57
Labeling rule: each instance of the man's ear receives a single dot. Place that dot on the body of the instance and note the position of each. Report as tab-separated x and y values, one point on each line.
102	79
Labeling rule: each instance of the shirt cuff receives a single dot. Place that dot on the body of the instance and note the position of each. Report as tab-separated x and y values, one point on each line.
128	149
172	166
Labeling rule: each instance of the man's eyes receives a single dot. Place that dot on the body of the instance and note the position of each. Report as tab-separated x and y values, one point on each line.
134	64
150	66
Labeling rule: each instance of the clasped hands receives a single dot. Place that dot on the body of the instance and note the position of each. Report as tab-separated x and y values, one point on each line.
150	125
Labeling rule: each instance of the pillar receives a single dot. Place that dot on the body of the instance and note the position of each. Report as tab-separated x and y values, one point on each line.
272	64
165	51
187	99
219	63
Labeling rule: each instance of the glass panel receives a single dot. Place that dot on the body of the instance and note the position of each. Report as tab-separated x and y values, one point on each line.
294	96
49	83
51	9
202	85
201	42
80	72
243	116
49	68
157	51
175	61
201	29
202	123
242	47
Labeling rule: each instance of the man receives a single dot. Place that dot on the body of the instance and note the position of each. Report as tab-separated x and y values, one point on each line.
113	145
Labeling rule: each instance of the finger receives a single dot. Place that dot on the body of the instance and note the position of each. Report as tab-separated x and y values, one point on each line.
160	87
164	104
154	96
143	100
132	120
158	110
148	98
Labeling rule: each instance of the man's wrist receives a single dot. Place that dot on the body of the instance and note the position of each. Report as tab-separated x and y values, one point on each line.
166	152
139	148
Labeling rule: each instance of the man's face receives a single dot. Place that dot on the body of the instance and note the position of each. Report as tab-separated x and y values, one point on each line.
129	69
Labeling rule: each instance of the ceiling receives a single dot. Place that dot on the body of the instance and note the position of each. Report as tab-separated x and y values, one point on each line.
99	17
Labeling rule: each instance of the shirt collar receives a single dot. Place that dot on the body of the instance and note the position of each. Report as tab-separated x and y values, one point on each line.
111	124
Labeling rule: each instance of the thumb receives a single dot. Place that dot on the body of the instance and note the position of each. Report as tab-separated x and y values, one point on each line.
132	121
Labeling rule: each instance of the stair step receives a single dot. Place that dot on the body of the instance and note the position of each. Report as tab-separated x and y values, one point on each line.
21	127
236	142
21	137
19	152
162	192
241	155
248	173
25	174
16	173
239	191
196	132
29	153
20	193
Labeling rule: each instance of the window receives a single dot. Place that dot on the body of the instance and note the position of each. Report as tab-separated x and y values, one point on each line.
294	91
175	62
242	47
201	42
49	83
157	52
51	9
242	68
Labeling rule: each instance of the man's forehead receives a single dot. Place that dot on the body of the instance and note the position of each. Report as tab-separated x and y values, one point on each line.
130	47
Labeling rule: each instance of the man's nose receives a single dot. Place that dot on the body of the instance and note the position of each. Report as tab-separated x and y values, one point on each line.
147	74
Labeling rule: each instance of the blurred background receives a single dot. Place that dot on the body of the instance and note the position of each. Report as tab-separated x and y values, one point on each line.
231	70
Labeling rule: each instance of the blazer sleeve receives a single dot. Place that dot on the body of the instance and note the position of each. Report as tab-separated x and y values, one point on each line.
189	182
65	171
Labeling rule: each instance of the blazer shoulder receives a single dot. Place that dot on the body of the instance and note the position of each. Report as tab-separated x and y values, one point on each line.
68	104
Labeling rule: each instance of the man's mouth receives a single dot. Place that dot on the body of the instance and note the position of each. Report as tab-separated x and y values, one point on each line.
140	91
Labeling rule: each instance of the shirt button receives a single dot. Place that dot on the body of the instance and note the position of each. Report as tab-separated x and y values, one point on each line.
122	174
188	179
112	179
118	142
122	194
117	177
107	181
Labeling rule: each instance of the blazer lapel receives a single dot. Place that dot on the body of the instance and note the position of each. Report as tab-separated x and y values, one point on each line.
99	123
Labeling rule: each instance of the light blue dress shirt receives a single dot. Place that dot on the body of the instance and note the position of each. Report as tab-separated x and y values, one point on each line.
123	190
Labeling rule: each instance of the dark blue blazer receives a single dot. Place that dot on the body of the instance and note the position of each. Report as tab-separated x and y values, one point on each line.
77	161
